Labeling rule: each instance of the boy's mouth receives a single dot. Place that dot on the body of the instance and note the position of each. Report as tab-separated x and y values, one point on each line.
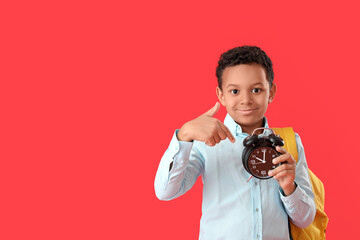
246	111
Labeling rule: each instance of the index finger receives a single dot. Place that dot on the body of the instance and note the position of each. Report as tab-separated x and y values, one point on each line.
227	132
281	159
284	158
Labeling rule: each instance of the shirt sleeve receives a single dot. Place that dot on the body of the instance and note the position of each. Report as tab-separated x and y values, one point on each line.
178	170
300	205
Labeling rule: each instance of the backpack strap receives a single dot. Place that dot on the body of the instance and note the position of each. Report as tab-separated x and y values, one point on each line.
288	135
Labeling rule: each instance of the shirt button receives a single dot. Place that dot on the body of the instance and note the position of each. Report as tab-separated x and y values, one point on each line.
255	183
258	236
257	209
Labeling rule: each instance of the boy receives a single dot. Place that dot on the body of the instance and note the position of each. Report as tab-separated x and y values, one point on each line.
234	207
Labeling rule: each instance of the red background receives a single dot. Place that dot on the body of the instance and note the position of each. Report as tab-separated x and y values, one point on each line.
92	91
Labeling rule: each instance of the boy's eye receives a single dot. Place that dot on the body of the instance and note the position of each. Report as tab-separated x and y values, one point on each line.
256	90
234	91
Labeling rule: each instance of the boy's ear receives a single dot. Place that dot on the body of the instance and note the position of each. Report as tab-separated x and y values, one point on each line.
272	92
220	95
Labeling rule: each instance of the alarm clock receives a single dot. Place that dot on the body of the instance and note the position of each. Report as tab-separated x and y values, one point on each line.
259	152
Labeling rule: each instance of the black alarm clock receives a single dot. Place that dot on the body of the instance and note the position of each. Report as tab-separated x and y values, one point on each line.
259	152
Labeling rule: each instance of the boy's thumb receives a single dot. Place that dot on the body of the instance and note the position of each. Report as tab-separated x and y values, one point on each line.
213	110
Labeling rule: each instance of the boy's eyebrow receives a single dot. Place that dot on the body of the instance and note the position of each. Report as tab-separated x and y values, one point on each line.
231	85
235	85
258	83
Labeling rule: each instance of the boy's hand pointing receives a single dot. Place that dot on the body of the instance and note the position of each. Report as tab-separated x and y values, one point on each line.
206	129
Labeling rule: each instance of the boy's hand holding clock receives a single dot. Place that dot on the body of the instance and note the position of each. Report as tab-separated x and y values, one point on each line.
285	173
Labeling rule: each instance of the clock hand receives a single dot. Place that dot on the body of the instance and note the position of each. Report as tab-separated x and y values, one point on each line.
263	155
260	160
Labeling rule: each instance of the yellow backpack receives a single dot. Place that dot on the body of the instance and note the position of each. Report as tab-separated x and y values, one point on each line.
316	230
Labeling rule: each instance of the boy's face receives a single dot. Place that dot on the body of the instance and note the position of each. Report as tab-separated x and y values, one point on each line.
246	94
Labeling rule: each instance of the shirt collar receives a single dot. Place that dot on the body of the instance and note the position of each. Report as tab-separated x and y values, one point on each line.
236	129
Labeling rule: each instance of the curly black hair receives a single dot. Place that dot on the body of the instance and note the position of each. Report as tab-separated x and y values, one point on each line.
244	55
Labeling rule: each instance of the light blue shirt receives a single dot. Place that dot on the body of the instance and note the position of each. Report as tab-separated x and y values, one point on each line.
233	208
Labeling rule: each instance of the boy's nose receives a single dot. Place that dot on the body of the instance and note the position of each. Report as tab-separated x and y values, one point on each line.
245	98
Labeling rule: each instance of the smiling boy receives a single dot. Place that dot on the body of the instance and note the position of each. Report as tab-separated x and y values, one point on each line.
233	207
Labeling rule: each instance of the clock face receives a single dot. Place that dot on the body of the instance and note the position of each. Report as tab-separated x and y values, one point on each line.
260	161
